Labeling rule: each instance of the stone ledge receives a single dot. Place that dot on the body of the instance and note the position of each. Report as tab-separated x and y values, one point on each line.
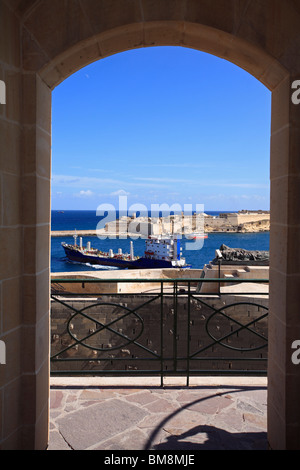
220	381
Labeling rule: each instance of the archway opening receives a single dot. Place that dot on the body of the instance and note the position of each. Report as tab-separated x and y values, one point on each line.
160	126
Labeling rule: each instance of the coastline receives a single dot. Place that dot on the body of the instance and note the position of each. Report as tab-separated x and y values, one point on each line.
70	233
95	233
180	225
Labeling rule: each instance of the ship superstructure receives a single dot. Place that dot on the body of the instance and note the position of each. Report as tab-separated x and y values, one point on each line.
164	249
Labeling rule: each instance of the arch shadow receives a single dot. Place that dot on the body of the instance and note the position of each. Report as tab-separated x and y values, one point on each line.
217	438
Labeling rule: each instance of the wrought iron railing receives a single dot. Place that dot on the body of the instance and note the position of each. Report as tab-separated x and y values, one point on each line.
166	327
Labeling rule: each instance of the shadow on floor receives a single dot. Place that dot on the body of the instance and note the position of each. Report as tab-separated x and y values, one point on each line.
208	437
214	439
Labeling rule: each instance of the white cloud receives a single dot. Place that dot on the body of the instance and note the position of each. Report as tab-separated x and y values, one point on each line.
79	181
178	165
107	186
86	193
95	183
99	170
205	183
120	192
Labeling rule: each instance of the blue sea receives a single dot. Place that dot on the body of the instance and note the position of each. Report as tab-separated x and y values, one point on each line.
88	220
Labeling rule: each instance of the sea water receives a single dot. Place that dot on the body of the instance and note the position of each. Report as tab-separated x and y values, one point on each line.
87	220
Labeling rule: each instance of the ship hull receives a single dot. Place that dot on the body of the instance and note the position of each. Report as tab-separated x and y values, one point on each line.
140	263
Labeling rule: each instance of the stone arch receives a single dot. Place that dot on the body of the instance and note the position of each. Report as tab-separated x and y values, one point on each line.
247	56
57	38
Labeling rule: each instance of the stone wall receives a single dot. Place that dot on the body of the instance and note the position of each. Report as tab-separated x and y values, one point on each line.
118	284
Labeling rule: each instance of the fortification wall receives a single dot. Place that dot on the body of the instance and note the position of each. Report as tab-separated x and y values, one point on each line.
238	223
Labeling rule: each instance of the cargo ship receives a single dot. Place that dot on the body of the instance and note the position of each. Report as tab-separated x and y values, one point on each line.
159	253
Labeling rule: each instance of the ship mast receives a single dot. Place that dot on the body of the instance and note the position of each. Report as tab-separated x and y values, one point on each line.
131	251
75	238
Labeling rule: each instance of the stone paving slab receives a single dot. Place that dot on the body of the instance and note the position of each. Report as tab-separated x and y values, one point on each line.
154	418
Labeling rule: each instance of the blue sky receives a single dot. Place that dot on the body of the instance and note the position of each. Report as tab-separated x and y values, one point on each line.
161	125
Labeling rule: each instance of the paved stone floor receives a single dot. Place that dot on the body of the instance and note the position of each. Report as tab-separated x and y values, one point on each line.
231	415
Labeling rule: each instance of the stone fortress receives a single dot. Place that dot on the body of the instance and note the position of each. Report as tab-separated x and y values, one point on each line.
243	221
232	222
